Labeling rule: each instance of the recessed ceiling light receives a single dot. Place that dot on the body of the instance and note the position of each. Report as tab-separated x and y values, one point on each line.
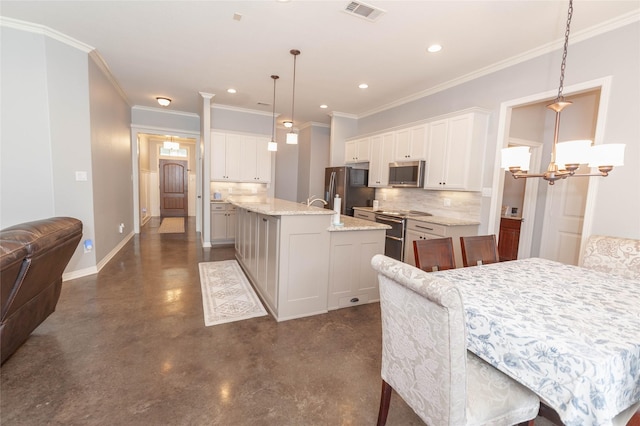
323	106
231	90
363	85
434	48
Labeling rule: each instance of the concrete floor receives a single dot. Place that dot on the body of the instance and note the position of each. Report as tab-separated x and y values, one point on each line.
128	346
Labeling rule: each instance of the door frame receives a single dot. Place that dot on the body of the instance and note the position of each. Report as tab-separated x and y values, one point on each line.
135	159
504	123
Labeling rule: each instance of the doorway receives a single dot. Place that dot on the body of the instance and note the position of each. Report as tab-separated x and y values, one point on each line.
174	188
557	218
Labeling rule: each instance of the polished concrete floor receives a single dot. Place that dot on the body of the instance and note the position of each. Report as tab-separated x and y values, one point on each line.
128	346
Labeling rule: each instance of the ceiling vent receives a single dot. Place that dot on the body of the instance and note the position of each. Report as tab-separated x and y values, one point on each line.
363	10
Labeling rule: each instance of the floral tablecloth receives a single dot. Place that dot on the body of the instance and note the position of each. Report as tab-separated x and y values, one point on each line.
570	334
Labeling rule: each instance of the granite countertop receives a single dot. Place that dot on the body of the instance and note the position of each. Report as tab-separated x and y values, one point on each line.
445	221
366	209
355	224
278	207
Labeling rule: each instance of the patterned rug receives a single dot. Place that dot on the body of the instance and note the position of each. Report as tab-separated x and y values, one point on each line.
227	294
171	225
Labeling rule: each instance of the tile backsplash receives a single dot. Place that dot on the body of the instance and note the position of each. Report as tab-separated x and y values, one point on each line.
462	205
226	189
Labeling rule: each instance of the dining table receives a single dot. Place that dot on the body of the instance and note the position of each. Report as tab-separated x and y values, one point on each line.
570	334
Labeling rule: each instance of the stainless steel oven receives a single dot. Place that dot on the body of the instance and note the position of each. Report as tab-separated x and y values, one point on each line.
395	237
394	241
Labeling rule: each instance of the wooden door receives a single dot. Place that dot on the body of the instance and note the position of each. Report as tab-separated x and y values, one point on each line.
174	186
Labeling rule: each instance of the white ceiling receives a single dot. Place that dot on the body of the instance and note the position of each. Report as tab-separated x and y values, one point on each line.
179	48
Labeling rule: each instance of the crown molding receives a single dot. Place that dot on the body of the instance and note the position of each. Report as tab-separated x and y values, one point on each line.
579	36
100	62
343	115
44	30
165	111
238	109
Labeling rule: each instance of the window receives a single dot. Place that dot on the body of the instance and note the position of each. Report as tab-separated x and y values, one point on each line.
167	152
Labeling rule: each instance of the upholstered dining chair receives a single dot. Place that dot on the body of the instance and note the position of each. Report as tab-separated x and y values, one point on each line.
425	358
479	250
613	255
435	254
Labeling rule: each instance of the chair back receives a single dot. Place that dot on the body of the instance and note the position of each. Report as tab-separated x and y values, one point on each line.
613	255
423	341
435	254
479	250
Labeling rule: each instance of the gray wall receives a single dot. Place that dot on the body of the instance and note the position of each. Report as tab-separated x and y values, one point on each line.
61	115
111	159
158	118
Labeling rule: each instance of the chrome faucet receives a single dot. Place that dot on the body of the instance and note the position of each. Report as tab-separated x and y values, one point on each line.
313	199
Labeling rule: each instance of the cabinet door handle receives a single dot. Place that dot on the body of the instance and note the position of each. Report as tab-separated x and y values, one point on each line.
264	219
424	227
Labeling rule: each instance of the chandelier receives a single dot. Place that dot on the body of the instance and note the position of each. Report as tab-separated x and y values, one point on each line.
566	157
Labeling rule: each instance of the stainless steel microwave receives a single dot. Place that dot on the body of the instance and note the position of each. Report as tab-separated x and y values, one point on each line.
406	174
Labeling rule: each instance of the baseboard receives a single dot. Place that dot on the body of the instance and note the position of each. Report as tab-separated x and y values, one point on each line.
95	269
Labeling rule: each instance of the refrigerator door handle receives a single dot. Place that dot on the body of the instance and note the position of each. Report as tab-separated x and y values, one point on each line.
331	194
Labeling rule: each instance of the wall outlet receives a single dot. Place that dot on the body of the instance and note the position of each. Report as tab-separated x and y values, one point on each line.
447	202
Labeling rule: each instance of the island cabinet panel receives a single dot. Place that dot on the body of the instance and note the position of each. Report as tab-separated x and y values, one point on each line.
303	266
352	280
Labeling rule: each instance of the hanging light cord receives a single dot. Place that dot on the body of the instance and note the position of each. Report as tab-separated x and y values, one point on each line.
295	54
273	117
564	52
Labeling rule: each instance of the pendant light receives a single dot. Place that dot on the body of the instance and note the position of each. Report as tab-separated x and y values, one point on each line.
292	136
566	157
273	145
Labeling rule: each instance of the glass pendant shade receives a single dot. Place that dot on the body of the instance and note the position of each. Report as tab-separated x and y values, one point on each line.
573	152
516	156
610	154
272	146
292	138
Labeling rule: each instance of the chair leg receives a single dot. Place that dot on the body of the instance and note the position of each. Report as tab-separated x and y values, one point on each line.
385	400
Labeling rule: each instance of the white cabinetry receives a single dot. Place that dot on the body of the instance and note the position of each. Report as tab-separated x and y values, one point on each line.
357	151
223	223
352	280
381	156
225	157
268	230
410	144
455	153
420	230
240	158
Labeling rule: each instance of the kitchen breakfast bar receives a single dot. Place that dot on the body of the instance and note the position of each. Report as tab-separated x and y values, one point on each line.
299	262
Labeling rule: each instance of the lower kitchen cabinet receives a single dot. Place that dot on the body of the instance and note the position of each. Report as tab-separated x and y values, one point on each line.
352	281
364	214
268	231
509	238
419	230
223	223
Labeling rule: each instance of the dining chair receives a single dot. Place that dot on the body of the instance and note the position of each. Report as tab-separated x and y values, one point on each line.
434	254
479	250
613	255
425	358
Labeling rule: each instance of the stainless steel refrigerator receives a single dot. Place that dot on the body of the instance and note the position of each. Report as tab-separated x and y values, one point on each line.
351	185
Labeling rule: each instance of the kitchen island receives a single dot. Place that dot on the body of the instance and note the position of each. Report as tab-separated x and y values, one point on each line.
291	253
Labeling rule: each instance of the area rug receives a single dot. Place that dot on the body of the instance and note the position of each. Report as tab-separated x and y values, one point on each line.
171	225
227	294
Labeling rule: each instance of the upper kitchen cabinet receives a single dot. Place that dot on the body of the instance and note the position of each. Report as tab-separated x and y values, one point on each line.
225	156
381	156
357	151
240	158
410	144
455	152
256	157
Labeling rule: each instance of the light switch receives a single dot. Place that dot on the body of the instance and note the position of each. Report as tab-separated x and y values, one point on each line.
81	176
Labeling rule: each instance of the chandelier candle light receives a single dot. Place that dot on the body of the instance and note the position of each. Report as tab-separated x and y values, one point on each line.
273	145
569	155
292	136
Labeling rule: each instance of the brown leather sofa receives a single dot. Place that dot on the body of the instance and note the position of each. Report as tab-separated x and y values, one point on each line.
33	256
